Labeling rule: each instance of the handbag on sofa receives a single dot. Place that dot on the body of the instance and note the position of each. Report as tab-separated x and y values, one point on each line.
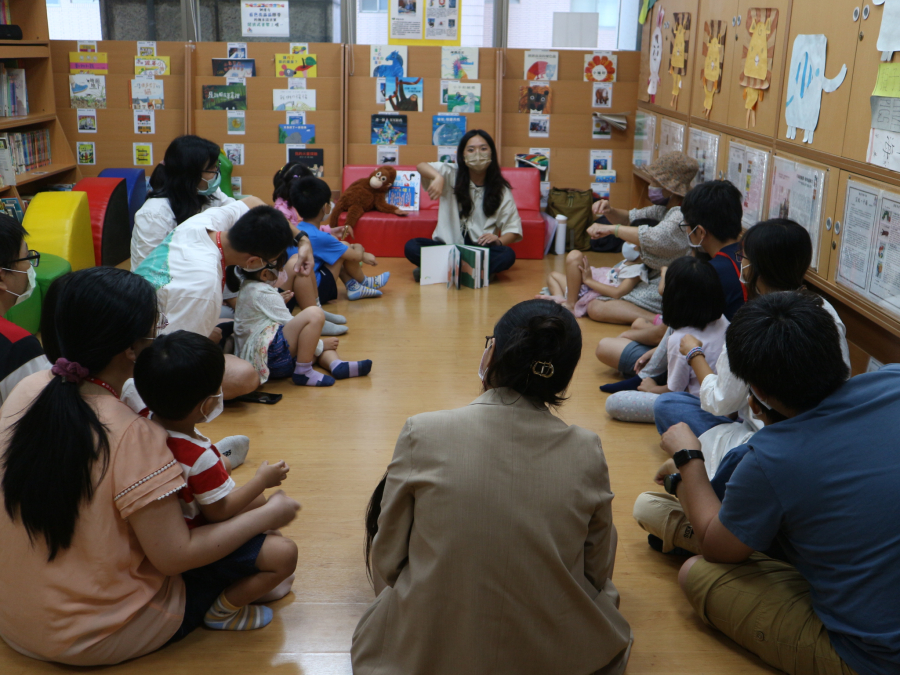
576	206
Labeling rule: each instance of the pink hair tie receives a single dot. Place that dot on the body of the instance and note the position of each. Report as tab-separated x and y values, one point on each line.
70	371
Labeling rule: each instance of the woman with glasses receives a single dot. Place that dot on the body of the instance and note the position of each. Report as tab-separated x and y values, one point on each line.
94	540
185	183
20	352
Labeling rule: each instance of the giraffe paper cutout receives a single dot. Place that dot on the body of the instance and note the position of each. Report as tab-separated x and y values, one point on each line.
756	75
889	37
678	52
656	45
713	62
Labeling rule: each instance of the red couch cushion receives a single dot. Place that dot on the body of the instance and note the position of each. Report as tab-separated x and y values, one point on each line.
110	226
384	234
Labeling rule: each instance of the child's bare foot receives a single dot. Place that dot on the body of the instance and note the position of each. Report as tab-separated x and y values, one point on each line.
330	344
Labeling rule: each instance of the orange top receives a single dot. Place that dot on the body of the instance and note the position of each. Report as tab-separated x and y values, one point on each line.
100	601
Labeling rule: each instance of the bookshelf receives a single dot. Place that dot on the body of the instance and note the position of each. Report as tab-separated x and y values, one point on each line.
33	55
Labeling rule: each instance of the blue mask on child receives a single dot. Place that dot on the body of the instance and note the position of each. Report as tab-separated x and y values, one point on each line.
211	186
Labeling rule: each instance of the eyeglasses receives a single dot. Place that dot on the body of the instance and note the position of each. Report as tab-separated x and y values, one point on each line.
215	173
487	340
687	228
741	257
33	257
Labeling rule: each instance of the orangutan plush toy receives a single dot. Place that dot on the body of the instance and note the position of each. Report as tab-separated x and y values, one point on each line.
366	194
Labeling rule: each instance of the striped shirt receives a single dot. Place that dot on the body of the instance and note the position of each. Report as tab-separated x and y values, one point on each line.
207	480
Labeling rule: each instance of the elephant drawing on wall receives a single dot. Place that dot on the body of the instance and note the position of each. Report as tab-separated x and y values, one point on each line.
806	82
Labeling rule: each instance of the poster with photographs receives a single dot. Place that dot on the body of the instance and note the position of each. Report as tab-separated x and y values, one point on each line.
441	20
87	121
406	19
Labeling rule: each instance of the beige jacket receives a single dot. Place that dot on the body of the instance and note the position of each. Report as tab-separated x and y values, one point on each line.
496	543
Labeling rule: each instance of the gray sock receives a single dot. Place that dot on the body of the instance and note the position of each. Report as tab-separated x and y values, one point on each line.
235	448
330	329
335	318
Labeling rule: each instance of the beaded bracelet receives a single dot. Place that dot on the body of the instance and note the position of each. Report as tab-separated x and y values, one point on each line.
694	352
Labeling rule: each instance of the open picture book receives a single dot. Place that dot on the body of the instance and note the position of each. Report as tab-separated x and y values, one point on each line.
455	266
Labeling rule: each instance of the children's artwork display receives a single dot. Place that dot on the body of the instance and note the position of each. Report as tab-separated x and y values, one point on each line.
600	67
236	122
234	67
459	63
539	126
704	147
86	153
541	65
656	51
224	96
797	192
296	133
404	94
312	158
671	137
447	129
601	160
145	121
747	171
463	97
679	48
87	91
387	155
447	154
601	129
86	119
387	60
155	65
389	130
757	56
147	94
713	62
404	194
294	99
644	138
603	93
806	82
88	63
889	37
535	98
142	154
296	65
234	152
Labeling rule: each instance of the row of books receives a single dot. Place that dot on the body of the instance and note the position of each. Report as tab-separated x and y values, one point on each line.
5	15
13	91
23	151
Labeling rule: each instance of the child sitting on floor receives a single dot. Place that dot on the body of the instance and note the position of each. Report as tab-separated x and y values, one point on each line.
282	198
278	344
309	198
179	377
693	303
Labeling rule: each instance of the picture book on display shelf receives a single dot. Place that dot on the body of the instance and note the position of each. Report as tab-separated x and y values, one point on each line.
296	65
404	94
234	67
389	130
311	158
459	63
224	96
297	133
456	266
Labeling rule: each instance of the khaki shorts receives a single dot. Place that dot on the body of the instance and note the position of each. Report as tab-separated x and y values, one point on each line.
662	515
764	606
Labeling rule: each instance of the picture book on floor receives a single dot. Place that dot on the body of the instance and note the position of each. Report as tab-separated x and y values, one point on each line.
459	63
447	129
389	130
455	266
234	67
535	98
405	192
87	91
311	158
147	94
224	96
296	65
297	133
294	99
404	94
463	97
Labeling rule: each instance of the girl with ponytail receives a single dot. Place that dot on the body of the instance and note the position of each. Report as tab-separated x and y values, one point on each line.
472	498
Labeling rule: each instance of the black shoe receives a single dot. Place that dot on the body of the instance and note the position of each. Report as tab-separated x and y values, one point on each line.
656	544
417	274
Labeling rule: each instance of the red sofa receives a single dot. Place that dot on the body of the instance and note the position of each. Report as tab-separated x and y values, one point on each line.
384	234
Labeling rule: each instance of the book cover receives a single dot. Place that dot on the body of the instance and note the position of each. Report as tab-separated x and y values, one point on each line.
541	65
234	152
86	120
147	94
539	126
463	97
447	129
295	65
405	192
154	65
13	208
600	67
535	98
533	160
87	91
143	154
88	63
234	67
447	154
86	153
236	122
387	155
299	47
468	266
236	50
16	77
294	99
601	160
389	130
459	63
404	94
224	96
311	158
145	121
387	60
297	133
601	129
603	92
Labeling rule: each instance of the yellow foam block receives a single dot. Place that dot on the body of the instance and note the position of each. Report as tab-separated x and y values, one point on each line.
60	223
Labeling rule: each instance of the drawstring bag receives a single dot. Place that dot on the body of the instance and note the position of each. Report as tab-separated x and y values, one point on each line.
576	206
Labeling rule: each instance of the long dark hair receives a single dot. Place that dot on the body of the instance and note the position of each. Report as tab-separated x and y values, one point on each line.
285	176
494	182
177	176
48	464
779	252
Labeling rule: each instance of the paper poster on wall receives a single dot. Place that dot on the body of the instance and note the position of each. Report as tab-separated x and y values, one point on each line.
644	138
884	286
539	126
713	62
860	216
236	122
884	149
145	121
387	60
747	170
806	83
387	155
236	50
87	153
679	48
541	65
797	193
757	58
601	160
671	137
142	154
406	19
441	19
265	19
889	37
600	67
87	121
656	50
459	63
704	147
602	97
885	113
887	83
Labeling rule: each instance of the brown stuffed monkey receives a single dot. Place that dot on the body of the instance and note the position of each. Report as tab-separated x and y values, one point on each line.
366	194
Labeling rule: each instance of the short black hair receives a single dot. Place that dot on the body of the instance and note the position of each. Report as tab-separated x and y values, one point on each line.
786	345
178	371
716	205
693	296
779	252
263	231
11	235
309	195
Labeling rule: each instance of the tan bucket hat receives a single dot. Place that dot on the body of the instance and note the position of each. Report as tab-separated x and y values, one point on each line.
674	171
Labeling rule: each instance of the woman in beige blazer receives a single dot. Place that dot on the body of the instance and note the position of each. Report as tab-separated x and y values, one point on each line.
495	543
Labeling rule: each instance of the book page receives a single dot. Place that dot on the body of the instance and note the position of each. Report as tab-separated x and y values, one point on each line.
860	213
435	265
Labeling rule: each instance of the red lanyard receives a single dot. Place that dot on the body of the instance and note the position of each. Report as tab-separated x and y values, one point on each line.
101	383
222	252
736	270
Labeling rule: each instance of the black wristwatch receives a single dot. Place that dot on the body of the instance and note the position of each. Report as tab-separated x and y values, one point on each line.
671	482
300	236
682	457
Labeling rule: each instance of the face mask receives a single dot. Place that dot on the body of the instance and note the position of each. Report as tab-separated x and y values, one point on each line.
479	161
692	244
657	196
743	280
630	251
482	368
282	278
216	411
211	187
29	289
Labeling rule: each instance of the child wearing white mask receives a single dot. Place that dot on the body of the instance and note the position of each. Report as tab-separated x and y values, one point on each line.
275	342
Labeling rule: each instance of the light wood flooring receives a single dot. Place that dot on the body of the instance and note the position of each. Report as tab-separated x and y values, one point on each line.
426	344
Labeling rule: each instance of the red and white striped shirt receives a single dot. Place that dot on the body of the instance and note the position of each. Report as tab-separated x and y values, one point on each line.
207	480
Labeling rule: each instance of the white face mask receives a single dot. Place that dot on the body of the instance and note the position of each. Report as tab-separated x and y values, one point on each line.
282	278
29	289
743	280
478	161
630	251
217	410
482	367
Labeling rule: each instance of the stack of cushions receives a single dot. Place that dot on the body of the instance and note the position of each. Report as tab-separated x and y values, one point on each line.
108	201
135	184
59	223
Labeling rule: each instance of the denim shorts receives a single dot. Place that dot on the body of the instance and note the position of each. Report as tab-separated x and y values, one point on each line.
281	363
632	352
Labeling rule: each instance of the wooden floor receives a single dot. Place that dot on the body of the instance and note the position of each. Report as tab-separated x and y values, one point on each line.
426	344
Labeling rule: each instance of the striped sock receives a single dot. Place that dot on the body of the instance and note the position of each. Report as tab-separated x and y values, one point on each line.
305	376
225	616
344	369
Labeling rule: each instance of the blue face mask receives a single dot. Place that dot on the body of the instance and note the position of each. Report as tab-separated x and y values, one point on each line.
211	186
